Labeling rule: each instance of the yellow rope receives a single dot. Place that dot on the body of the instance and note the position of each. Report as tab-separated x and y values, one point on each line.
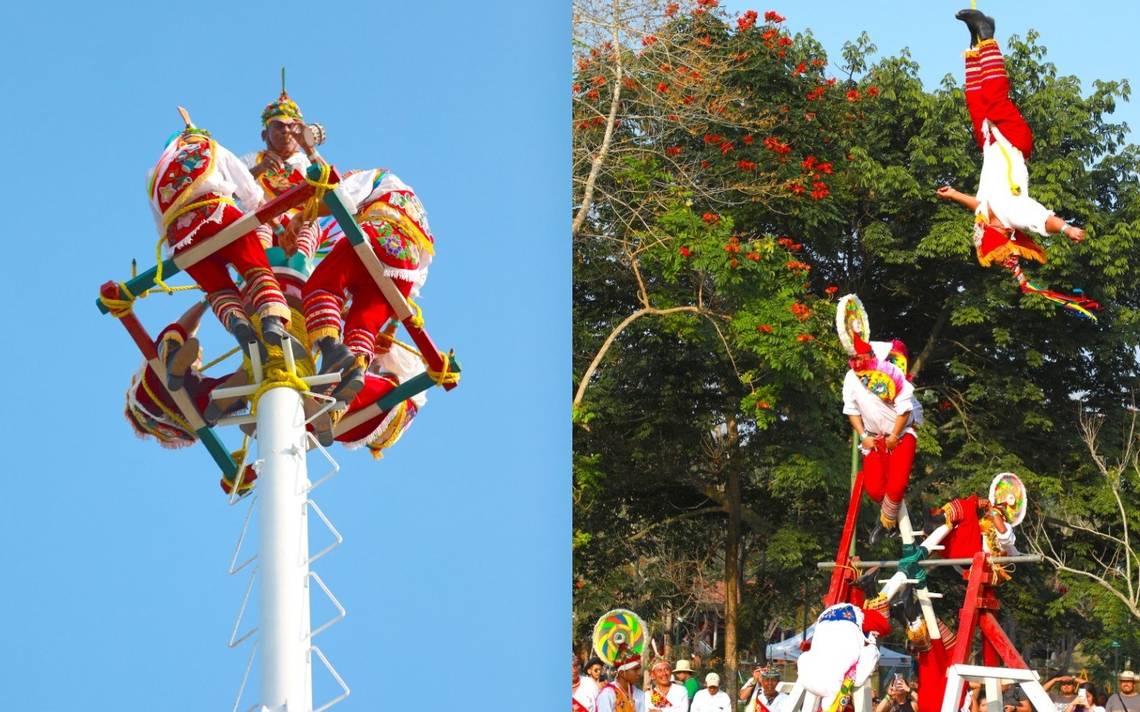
166	411
240	483
322	185
441	377
1014	188
221	358
158	271
119	308
418	314
445	376
175	214
276	378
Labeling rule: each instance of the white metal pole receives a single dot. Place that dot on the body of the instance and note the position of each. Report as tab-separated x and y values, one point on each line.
282	484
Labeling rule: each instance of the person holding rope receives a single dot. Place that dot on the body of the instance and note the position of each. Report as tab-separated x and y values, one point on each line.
879	402
1003	210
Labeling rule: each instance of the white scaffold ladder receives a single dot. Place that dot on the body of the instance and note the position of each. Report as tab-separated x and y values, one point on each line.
283	637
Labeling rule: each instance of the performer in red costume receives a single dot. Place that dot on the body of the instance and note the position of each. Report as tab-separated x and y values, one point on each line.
879	402
151	411
1004	211
289	144
390	367
192	190
975	524
396	223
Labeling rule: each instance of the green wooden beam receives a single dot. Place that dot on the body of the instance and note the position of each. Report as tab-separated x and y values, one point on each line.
144	281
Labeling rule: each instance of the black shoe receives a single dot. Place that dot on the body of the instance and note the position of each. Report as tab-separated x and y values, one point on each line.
868	584
273	330
246	337
910	606
179	359
879	532
322	424
217	409
335	356
981	25
350	384
876	534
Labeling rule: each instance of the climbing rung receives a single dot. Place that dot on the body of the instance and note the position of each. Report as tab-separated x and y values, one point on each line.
335	467
234	639
338	539
341	613
339	680
245	678
234	565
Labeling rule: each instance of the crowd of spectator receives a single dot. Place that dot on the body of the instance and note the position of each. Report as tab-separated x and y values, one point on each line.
678	688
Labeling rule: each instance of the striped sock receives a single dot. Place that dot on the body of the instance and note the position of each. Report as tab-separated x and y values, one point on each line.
264	293
265	236
889	513
361	342
307	239
991	64
322	315
973	71
226	304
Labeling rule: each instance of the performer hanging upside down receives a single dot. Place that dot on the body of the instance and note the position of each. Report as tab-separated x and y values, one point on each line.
151	411
878	400
394	220
1004	211
192	191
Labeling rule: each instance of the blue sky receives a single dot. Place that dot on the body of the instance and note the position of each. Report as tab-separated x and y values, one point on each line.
456	561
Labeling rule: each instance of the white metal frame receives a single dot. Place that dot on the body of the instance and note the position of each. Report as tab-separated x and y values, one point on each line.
281	566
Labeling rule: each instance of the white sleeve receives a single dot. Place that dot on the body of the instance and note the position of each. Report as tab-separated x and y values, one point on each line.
850	384
356	187
606	701
249	160
245	187
904	401
1007	541
868	660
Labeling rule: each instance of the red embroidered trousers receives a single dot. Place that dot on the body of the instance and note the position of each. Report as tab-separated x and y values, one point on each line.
247	255
338	274
987	97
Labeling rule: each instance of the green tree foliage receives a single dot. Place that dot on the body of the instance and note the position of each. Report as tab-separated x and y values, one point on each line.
715	226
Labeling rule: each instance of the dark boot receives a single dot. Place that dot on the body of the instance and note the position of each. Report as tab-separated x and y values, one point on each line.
981	25
322	424
335	356
179	359
246	337
217	409
868	584
879	532
273	330
350	384
876	533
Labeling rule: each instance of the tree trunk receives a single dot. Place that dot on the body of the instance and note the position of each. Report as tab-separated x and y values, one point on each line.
731	570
